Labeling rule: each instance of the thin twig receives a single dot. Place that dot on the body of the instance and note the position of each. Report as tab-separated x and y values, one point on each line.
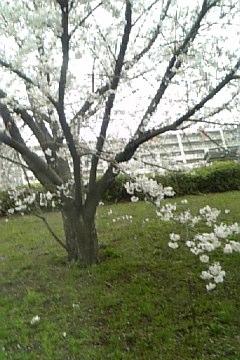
51	231
14	162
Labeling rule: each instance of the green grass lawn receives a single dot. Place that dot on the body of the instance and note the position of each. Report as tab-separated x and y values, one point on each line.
142	301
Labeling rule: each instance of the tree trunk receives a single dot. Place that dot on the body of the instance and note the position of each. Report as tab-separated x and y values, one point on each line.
81	236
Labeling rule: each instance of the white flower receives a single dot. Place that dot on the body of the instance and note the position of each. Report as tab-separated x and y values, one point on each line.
227	211
48	152
209	214
168	191
235	246
75	306
222	231
173	245
215	269
185	217
210	286
219	278
129	188
64	334
174	237
184	201
204	258
227	249
49	196
196	251
205	275
35	320
190	243
134	199
195	220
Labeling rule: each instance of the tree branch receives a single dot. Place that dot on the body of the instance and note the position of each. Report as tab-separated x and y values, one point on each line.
14	161
45	174
133	145
145	11
174	64
102	90
153	39
41	133
65	39
110	101
82	21
26	79
60	242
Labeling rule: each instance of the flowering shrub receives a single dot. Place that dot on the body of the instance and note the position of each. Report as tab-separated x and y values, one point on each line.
25	201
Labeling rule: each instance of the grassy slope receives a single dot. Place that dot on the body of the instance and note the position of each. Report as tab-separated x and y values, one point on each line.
143	301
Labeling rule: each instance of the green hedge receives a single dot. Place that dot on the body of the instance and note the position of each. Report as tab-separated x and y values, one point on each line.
218	177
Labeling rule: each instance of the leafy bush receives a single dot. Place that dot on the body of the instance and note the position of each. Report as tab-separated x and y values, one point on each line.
117	192
218	177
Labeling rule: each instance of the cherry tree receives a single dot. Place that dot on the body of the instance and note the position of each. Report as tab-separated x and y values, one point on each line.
72	68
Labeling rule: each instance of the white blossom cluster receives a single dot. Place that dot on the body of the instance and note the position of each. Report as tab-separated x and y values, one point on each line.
204	244
22	201
200	244
215	274
210	214
174	238
150	187
65	189
127	218
123	218
167	212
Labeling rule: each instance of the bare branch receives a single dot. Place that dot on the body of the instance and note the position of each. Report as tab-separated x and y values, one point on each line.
82	21
26	79
152	40
14	161
102	90
174	64
60	242
45	174
114	85
145	11
40	132
65	39
132	146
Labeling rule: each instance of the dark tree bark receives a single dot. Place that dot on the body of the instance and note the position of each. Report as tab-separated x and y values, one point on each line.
81	235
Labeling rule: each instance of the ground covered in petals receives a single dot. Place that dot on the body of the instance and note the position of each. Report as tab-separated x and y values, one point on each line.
143	300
